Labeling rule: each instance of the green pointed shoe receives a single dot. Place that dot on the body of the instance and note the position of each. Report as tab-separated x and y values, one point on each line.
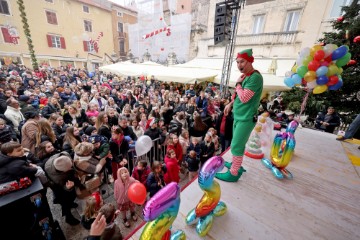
228	164
228	177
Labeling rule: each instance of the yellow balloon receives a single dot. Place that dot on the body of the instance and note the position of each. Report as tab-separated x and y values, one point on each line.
293	69
310	76
320	89
340	71
314	49
332	70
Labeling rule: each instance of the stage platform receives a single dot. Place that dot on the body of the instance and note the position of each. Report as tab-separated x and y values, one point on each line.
321	202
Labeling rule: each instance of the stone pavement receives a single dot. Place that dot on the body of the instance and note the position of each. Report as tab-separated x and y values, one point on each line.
79	232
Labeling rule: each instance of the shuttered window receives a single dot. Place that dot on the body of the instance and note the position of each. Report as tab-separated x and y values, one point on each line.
56	41
6	35
88	47
51	17
4	7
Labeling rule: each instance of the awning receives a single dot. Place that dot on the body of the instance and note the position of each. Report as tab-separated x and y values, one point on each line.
204	69
272	82
162	73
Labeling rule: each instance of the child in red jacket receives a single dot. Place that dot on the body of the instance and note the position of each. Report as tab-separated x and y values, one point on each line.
173	169
141	172
174	144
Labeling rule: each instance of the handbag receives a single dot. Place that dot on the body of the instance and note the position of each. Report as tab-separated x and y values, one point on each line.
93	182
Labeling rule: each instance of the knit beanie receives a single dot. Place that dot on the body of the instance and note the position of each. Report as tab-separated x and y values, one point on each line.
63	164
89	129
246	54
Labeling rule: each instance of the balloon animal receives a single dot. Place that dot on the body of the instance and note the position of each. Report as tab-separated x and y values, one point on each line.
282	151
160	212
210	204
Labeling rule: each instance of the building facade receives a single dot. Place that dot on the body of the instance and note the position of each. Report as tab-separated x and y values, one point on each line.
121	18
276	30
75	33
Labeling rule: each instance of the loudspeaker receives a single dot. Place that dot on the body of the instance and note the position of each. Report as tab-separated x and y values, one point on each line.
222	23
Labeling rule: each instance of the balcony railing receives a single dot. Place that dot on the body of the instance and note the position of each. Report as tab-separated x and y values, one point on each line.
122	35
274	38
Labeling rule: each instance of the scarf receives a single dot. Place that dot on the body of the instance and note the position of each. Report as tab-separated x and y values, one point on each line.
118	141
82	158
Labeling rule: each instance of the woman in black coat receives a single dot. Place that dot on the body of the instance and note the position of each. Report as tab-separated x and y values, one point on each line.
207	149
102	125
75	117
59	128
119	148
52	107
198	128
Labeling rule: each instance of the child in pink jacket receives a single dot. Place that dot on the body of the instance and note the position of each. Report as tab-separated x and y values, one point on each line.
121	187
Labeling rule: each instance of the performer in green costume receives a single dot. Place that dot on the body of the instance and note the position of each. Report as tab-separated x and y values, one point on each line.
245	103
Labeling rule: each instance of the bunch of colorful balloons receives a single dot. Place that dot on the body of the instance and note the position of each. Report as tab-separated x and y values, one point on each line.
319	68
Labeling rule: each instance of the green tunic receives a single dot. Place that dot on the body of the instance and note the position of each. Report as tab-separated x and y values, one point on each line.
244	113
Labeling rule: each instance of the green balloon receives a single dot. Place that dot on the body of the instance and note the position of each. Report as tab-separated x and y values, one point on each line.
306	60
344	60
302	70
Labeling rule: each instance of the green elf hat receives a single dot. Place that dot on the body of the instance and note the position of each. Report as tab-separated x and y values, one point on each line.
246	54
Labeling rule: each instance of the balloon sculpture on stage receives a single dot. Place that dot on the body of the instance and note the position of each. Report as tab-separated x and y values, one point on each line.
319	68
282	151
253	145
210	204
160	212
260	139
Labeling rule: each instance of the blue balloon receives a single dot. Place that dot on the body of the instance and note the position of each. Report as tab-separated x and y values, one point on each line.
289	82
339	52
91	74
296	78
336	86
322	80
321	71
277	173
267	163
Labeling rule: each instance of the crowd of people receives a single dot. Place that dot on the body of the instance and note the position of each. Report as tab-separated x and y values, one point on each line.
77	132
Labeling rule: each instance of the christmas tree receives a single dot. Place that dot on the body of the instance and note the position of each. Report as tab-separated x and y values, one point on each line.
253	146
347	32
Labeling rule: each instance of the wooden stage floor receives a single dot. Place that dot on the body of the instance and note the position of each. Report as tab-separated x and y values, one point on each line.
321	202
